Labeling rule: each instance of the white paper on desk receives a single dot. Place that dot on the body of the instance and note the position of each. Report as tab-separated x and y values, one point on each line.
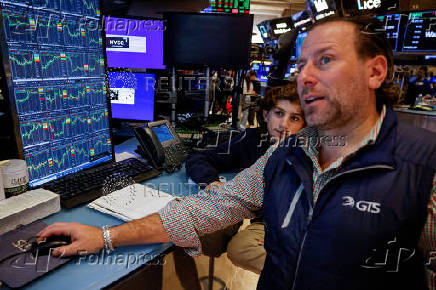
132	202
125	155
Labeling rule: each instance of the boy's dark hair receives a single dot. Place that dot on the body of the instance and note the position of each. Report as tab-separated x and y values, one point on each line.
287	91
371	41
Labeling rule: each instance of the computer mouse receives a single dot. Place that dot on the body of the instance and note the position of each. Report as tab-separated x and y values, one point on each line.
43	248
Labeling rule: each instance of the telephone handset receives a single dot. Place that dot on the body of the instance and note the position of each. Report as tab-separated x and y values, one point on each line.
159	143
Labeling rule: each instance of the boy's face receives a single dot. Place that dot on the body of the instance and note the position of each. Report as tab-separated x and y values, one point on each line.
284	119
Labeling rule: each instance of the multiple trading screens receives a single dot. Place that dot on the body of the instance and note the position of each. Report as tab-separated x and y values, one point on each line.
411	33
414	32
53	57
137	44
420	32
133	45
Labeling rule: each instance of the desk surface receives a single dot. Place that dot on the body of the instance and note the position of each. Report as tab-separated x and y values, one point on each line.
416	112
97	271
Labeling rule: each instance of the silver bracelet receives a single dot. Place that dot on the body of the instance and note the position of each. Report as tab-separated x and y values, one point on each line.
107	239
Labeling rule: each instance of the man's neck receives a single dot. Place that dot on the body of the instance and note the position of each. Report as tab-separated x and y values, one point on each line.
354	132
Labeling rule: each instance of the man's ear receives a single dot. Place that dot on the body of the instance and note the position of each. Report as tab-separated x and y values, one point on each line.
378	69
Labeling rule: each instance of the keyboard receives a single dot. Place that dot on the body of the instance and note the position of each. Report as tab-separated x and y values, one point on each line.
89	184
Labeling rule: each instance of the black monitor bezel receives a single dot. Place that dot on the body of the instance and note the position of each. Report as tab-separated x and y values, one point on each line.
197	65
6	70
133	18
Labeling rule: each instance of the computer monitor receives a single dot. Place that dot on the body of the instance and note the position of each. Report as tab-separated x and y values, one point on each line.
213	39
420	31
54	66
262	69
393	26
134	43
132	95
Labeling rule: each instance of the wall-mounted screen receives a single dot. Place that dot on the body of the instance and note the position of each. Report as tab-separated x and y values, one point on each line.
420	32
321	8
302	20
212	39
393	25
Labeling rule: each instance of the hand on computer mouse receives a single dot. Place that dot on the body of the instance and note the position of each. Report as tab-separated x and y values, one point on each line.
44	247
84	239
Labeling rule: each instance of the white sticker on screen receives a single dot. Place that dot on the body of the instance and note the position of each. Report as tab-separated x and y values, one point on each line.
126	43
125	96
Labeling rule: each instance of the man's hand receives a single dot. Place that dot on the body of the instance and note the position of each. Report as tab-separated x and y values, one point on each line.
214	184
84	239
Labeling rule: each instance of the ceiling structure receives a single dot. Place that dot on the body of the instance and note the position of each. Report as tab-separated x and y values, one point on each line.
261	9
276	8
270	9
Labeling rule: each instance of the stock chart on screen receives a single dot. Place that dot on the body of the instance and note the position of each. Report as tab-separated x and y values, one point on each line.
420	31
56	66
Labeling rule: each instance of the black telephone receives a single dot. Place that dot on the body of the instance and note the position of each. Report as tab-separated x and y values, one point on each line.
161	145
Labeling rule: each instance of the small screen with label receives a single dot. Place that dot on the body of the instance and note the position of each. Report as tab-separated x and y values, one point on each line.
163	133
132	95
134	43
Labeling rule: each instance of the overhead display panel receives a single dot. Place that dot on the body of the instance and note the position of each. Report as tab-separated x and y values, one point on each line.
420	32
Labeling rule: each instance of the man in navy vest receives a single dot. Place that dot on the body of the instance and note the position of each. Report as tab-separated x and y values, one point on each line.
349	202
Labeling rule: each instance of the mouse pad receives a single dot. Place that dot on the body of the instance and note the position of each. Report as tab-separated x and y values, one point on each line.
21	267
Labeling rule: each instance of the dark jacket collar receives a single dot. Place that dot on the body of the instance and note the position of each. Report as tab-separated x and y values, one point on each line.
381	153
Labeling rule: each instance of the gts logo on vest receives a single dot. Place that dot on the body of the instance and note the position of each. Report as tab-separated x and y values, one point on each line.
364	206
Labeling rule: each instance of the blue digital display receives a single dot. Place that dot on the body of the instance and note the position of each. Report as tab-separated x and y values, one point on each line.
299	43
163	133
56	68
132	95
391	25
262	69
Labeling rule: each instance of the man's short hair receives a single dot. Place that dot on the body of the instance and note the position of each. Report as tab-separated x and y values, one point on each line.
371	41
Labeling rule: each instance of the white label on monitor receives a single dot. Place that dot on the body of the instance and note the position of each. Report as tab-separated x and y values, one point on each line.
126	43
125	96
